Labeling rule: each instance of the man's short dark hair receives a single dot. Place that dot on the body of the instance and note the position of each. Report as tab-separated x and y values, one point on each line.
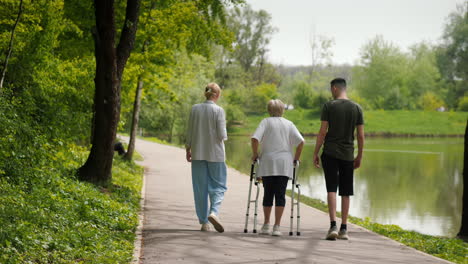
338	82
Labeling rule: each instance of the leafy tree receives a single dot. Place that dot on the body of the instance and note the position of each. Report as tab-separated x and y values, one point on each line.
294	77
321	52
164	109
253	31
423	75
234	103
382	74
38	76
110	64
303	96
10	45
262	93
168	29
320	99
452	55
44	106
245	63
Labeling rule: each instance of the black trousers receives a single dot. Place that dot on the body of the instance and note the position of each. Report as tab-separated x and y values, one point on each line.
274	187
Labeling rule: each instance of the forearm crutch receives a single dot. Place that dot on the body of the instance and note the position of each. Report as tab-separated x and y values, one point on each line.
253	179
295	185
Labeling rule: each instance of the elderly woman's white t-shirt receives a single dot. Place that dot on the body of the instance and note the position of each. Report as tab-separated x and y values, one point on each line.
278	137
206	132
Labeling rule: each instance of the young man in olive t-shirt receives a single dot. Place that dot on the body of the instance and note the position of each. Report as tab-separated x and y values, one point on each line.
340	118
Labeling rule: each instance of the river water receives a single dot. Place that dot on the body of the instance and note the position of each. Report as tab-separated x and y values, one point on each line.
415	183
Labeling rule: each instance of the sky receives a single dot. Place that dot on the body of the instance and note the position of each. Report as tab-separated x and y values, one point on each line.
351	23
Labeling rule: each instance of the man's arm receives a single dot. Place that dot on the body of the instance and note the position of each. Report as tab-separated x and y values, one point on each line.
319	142
360	140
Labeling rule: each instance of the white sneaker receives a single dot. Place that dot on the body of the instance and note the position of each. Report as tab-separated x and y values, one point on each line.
332	233
265	229
343	234
216	223
205	227
276	231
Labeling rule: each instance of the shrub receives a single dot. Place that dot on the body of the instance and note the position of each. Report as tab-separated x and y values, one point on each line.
463	104
234	115
430	102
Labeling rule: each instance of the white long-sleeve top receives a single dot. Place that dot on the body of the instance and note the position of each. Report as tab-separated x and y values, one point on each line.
206	132
278	137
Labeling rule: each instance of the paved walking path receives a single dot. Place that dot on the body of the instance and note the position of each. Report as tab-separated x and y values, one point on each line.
171	230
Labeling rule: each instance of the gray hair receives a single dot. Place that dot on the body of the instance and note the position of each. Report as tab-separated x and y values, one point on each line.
275	108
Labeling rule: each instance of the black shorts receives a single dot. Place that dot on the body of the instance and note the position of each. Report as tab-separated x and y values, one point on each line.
274	187
338	173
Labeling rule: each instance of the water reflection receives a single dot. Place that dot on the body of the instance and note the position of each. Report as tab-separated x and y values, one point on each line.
415	183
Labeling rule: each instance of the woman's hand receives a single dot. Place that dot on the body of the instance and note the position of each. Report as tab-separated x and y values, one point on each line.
254	157
188	155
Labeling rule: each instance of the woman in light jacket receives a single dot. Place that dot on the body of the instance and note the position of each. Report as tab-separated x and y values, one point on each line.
278	136
206	134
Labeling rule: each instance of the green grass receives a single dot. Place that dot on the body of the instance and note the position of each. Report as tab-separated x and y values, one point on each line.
55	218
160	141
452	249
379	122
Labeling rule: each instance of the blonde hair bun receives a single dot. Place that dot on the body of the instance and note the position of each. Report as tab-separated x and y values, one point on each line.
211	90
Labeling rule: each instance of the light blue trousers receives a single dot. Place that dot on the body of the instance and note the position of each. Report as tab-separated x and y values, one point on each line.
208	180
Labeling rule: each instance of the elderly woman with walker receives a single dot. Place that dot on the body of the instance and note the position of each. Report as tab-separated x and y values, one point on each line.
277	136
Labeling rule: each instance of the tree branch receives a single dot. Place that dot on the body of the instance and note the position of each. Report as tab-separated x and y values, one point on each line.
10	46
127	38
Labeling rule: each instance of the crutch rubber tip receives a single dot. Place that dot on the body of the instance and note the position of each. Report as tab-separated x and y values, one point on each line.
245	230
290	233
255	230
298	233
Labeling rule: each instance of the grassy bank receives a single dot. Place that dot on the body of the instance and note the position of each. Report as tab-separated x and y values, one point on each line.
54	218
451	249
397	123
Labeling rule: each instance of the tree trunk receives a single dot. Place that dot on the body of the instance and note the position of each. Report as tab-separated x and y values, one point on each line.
137	102
10	45
135	119
171	128
110	63
464	223
261	69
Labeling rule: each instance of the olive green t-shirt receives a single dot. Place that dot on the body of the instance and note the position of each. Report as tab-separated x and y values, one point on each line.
343	116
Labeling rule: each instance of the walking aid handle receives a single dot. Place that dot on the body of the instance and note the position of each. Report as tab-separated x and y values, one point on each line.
253	179
296	163
293	186
252	169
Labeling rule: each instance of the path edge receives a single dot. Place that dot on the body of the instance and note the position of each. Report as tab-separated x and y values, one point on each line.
138	244
356	226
